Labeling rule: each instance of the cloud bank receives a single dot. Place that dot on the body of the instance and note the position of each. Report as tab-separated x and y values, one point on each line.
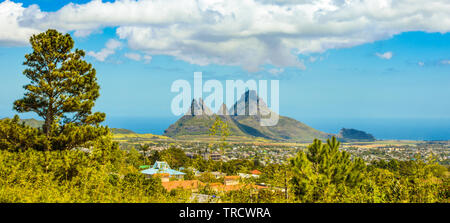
246	33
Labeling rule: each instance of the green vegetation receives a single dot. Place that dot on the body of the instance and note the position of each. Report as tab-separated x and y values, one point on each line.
320	174
69	157
104	174
220	128
31	122
190	125
121	131
175	157
325	174
62	91
287	129
245	126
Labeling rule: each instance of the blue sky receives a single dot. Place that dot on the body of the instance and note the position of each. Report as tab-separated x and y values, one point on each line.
375	70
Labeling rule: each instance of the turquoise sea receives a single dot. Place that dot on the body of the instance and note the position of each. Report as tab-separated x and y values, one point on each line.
381	128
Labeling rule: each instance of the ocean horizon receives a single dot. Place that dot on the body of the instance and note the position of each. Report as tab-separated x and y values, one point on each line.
381	128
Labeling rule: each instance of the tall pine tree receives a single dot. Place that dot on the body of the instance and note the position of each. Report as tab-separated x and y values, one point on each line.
62	91
323	173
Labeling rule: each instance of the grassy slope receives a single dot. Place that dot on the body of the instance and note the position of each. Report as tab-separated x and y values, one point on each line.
287	129
121	131
198	125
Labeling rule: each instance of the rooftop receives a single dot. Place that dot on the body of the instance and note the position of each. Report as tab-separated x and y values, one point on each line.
231	177
184	184
161	167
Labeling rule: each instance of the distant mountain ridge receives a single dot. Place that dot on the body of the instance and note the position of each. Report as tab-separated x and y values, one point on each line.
350	135
197	121
121	131
243	119
30	122
39	123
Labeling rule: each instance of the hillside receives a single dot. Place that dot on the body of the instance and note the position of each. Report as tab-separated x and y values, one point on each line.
287	129
197	121
31	122
243	119
250	109
121	131
38	124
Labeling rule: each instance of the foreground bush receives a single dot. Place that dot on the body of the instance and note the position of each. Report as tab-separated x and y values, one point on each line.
325	174
102	174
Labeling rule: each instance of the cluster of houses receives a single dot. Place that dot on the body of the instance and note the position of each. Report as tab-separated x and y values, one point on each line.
267	154
163	171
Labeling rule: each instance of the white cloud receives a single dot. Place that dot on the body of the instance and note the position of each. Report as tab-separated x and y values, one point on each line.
113	44
275	71
11	33
421	63
387	56
247	33
133	56
110	48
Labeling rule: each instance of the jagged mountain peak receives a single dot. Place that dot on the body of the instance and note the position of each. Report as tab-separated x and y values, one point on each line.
246	121
223	110
250	104
198	108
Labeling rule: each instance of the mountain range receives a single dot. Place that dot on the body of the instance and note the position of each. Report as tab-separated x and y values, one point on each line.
243	119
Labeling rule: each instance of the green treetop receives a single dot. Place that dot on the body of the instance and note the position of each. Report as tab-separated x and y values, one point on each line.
62	90
220	128
323	172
